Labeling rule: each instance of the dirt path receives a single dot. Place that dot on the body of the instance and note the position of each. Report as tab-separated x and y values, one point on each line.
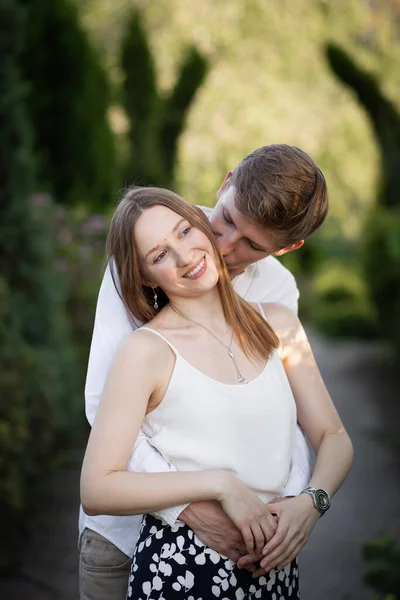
331	564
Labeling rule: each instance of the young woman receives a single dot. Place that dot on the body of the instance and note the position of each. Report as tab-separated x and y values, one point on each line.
216	385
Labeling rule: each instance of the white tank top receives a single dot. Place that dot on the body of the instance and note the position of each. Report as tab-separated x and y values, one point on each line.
249	429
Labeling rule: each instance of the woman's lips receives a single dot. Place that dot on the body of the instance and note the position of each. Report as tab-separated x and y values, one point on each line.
198	270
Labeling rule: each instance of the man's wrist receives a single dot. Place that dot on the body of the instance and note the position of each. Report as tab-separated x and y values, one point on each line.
184	515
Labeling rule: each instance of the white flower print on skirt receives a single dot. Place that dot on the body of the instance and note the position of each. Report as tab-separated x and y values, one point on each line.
173	564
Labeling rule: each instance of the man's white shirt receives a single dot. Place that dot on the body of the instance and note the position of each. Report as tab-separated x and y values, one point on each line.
265	281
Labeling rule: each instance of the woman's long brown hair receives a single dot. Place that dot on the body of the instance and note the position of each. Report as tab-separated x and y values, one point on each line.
254	334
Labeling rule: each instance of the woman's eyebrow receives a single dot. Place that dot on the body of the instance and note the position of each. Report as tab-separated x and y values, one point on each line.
173	231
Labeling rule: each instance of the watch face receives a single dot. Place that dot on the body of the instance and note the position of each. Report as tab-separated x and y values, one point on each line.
322	500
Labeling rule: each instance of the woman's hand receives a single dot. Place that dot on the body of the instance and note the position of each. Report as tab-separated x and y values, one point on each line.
297	518
251	516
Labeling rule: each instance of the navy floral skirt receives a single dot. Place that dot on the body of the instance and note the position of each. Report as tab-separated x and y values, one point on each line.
173	564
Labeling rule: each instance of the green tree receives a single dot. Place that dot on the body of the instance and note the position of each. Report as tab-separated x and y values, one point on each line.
68	98
37	369
382	246
155	121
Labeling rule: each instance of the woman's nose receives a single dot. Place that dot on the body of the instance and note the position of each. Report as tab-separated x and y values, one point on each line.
184	257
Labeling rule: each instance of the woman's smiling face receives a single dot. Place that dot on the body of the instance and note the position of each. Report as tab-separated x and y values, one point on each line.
176	256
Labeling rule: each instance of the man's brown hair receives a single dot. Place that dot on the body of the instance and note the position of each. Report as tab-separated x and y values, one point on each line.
281	188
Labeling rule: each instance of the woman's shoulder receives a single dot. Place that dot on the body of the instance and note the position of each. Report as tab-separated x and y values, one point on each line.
145	344
283	321
279	314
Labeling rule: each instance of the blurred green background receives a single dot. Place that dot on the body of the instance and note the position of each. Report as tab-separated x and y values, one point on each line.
95	95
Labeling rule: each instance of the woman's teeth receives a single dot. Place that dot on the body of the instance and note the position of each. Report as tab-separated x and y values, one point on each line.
196	269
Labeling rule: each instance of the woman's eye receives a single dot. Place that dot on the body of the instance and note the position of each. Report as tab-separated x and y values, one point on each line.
160	256
186	231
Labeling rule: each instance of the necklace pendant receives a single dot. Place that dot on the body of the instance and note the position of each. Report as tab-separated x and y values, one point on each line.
230	352
242	379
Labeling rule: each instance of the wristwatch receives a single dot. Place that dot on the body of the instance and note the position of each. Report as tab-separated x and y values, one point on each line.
321	499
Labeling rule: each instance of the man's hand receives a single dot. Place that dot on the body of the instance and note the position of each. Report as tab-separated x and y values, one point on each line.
215	529
296	519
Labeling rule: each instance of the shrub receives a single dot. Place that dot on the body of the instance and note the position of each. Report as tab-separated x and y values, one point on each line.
383	573
382	247
339	304
68	98
38	381
155	121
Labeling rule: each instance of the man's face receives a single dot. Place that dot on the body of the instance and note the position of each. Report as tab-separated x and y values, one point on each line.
241	241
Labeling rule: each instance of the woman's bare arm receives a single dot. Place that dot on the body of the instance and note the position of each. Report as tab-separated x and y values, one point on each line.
319	419
106	488
316	412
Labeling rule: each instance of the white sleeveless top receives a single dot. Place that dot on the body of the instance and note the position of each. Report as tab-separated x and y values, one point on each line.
248	429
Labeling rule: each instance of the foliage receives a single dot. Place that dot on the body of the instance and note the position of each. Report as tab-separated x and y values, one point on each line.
155	122
266	84
382	247
383	573
384	118
79	250
68	98
338	301
37	368
382	266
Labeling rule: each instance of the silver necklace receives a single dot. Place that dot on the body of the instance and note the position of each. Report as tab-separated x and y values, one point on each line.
231	354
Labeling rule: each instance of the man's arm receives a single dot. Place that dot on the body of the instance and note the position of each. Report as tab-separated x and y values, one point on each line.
112	324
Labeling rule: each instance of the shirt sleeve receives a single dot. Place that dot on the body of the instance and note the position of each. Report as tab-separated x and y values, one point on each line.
299	475
278	283
112	324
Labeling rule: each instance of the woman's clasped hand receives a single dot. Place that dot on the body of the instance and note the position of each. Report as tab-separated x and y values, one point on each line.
250	514
295	519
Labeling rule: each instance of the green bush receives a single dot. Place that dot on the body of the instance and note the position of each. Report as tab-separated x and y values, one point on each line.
155	121
339	304
382	266
38	376
382	231
79	251
383	573
68	98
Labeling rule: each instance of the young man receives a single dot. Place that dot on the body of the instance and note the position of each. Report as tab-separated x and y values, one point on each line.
274	199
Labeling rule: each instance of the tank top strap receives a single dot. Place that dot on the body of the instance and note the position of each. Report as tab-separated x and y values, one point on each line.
261	309
160	335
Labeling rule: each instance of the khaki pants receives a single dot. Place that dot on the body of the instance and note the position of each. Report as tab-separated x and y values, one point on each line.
103	569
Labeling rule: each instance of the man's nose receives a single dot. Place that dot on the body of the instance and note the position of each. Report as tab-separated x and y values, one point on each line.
227	242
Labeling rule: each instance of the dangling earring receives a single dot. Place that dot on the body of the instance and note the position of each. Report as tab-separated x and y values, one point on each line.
155	299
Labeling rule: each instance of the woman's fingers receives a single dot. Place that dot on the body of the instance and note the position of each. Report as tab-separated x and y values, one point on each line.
268	527
276	539
280	557
259	536
248	538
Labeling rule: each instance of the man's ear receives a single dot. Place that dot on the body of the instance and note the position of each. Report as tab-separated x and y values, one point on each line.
295	246
224	184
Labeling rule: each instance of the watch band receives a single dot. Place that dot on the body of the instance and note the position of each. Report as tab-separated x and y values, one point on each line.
321	498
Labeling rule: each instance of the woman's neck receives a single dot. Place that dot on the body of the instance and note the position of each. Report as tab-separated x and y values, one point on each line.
203	309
